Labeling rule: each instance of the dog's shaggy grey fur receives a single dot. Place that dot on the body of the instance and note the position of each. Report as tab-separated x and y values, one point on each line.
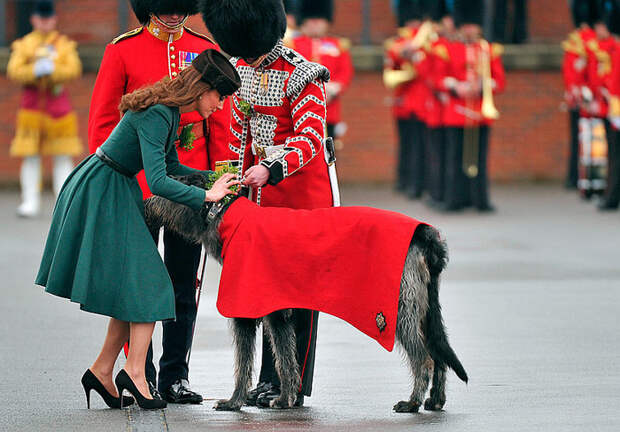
420	330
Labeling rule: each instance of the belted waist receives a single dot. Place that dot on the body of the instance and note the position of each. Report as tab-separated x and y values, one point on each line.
113	164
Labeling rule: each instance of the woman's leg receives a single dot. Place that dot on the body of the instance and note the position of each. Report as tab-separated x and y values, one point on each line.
140	335
103	367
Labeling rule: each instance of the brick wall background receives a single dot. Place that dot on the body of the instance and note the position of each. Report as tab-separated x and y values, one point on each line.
529	141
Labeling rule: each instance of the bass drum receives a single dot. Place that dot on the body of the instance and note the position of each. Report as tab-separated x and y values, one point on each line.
592	167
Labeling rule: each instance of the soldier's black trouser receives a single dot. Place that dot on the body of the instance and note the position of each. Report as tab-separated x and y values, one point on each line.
573	155
435	156
510	24
182	260
411	133
611	198
306	324
460	190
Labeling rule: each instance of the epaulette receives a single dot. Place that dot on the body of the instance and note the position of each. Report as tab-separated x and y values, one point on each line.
200	35
497	50
389	43
345	44
130	33
304	73
441	51
570	46
593	45
405	32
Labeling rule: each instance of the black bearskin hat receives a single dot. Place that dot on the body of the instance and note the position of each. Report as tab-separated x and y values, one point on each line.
584	12
439	9
315	9
144	8
610	11
245	28
44	9
290	7
409	10
217	71
468	12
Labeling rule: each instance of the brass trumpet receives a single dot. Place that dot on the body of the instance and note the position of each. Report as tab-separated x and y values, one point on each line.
488	109
392	78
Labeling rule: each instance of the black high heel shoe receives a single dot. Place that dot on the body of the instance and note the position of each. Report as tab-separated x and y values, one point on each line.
124	382
91	382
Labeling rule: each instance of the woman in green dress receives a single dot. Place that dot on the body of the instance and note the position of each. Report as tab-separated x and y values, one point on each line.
99	252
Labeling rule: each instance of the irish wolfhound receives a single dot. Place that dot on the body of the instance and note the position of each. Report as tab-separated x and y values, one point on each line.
419	327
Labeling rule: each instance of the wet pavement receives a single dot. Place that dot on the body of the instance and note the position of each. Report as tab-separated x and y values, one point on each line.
530	298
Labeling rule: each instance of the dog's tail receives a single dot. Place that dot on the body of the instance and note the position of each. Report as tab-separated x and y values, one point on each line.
436	255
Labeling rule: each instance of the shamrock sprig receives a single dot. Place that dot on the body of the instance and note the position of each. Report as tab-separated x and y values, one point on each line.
187	137
214	176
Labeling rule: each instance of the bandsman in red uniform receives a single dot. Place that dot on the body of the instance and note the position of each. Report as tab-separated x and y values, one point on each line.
42	62
403	56
472	74
278	131
314	18
441	14
574	72
162	47
611	89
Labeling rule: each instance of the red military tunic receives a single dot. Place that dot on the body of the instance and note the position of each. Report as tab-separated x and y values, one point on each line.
284	130
574	64
464	65
598	74
333	53
435	98
139	58
410	96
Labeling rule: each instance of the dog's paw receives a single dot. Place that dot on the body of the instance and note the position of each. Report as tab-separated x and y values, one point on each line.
227	405
431	404
281	403
406	407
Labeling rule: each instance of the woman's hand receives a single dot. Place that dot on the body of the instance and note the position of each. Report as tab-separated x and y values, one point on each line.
221	188
256	176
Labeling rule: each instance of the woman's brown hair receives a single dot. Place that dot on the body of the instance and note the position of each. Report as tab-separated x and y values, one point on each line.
183	90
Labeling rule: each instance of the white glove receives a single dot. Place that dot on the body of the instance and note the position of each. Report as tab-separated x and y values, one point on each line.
43	67
615	121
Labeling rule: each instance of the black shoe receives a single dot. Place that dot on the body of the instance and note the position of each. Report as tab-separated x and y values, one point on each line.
607	206
264	399
123	382
486	209
180	393
262	387
91	382
414	194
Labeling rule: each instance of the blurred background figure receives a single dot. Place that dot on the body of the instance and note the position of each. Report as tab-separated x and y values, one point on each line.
42	61
574	72
403	56
510	21
608	71
471	74
290	7
440	12
313	42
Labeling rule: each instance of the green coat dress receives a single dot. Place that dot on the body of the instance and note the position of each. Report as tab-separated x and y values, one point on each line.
99	252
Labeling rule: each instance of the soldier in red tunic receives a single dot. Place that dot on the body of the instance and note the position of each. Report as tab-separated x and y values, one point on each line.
437	52
163	46
471	75
610	88
314	18
403	56
574	72
278	131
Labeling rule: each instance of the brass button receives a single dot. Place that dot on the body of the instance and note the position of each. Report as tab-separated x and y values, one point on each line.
171	48
173	56
174	74
173	65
